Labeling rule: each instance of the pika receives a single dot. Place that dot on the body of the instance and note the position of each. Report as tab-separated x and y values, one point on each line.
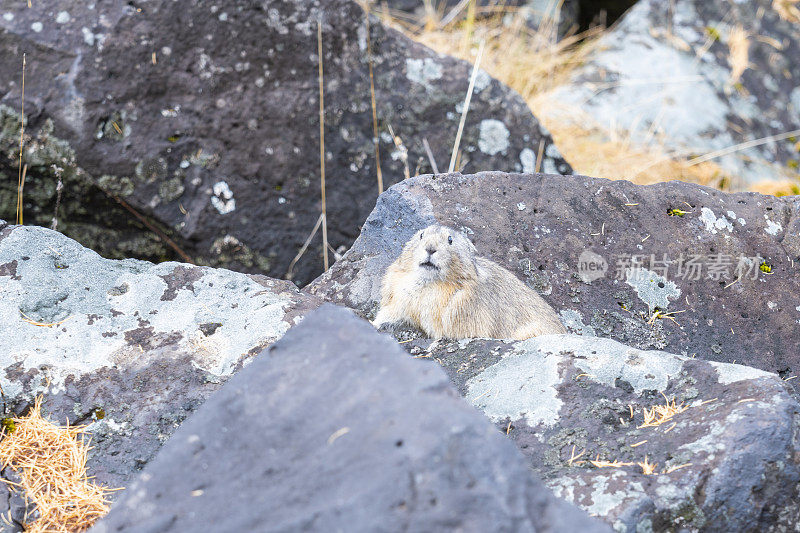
440	285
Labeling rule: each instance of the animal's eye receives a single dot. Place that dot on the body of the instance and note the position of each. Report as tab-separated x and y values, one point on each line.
450	239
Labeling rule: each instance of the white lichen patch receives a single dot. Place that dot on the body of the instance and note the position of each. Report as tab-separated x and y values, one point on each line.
108	308
573	321
493	136
423	71
605	360
773	228
729	373
37	27
482	81
62	17
528	159
521	385
88	37
712	223
651	288
552	152
733	216
222	199
549	166
605	500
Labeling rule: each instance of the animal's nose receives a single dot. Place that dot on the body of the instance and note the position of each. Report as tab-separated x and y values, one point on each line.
430	250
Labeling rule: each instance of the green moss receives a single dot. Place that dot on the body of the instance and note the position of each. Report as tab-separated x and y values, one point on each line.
229	249
171	189
713	33
116	186
151	170
8	425
87	211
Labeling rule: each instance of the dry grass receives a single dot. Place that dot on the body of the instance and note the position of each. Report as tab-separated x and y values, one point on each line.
21	177
322	150
609	464
788	9
658	414
648	469
51	463
739	52
535	64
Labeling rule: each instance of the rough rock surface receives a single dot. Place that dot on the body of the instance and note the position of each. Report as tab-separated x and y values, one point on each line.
204	119
539	226
335	428
129	347
705	74
729	462
12	503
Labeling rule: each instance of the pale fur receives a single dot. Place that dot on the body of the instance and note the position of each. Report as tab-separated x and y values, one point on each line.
466	296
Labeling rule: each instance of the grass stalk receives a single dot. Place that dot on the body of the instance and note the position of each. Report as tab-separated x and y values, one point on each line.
467	100
322	150
290	271
375	138
20	175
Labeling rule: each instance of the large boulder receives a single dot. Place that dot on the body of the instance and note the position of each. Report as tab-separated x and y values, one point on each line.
701	76
335	428
736	297
128	347
591	415
202	121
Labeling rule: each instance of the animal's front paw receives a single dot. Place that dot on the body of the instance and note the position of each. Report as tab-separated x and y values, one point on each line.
383	325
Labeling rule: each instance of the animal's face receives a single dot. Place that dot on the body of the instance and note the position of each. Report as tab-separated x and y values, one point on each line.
440	253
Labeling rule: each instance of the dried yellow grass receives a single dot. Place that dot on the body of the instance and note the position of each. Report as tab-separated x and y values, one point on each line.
535	64
788	9
51	463
739	52
648	468
658	414
609	464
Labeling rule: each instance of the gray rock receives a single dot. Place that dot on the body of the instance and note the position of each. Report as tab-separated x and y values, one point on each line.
128	347
204	120
728	462
539	226
666	69
335	428
567	12
12	504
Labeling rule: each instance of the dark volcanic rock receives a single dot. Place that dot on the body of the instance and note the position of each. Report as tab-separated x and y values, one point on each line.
728	460
204	119
335	428
703	75
122	345
539	226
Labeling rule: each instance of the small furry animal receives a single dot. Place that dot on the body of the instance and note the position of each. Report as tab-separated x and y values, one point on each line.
440	285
